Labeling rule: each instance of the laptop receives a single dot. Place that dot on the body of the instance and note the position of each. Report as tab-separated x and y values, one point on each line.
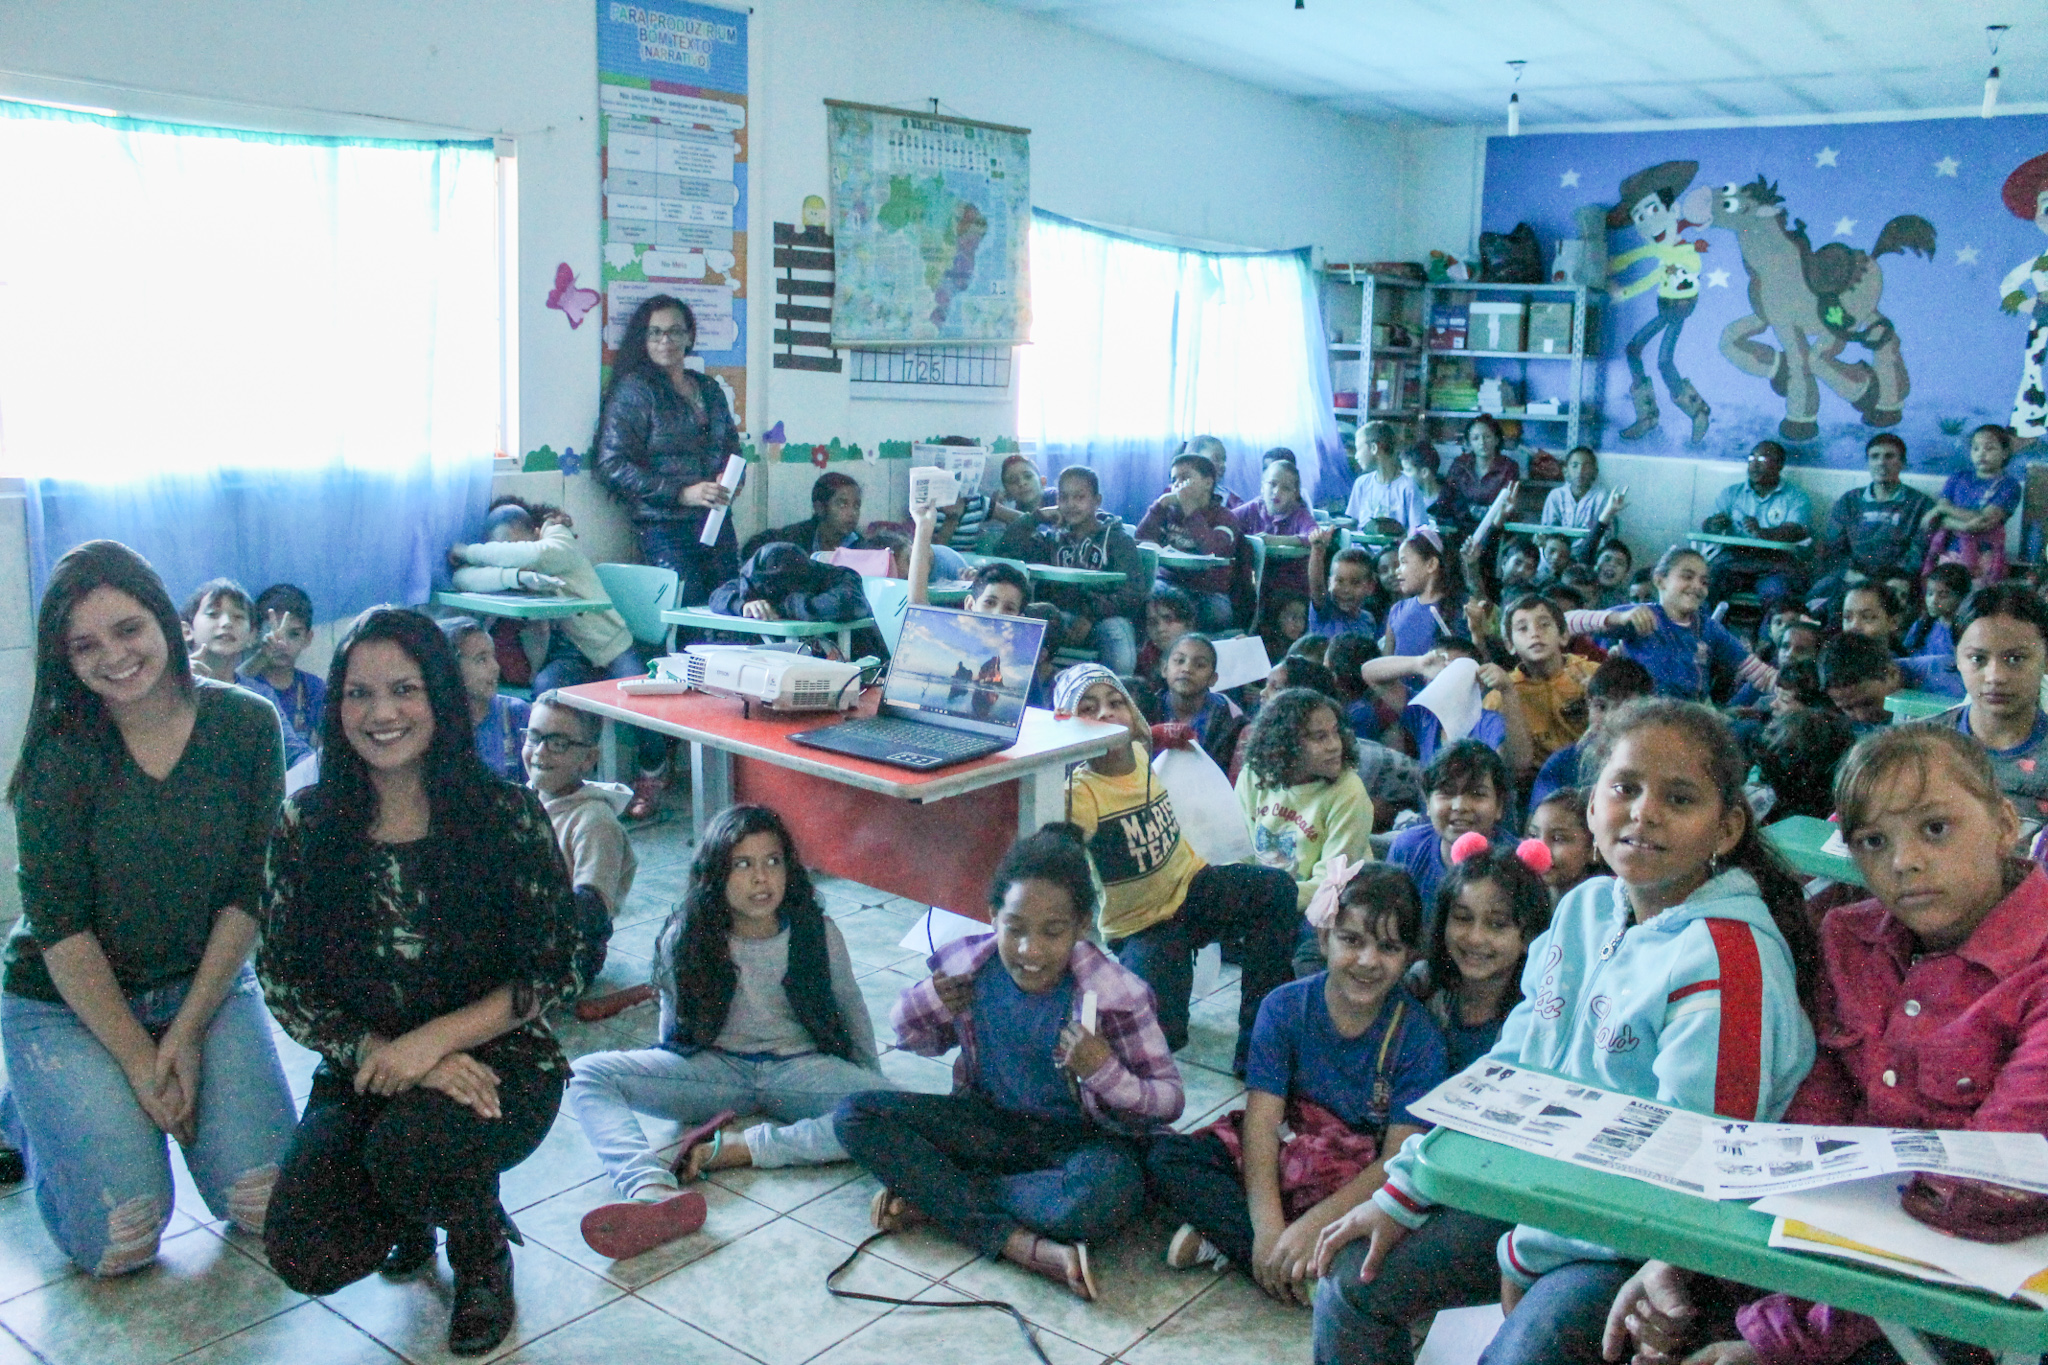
956	692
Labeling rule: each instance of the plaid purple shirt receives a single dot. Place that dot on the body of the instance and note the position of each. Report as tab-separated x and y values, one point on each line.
1137	1089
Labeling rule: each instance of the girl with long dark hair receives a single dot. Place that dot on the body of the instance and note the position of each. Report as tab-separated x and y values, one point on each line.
417	920
143	801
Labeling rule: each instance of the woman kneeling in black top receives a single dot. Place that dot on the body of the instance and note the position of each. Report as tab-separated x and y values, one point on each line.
418	918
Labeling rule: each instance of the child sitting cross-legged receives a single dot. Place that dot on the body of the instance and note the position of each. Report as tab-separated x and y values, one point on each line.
1929	1016
759	1012
1488	911
1062	1069
1336	1060
1190	700
1466	790
559	749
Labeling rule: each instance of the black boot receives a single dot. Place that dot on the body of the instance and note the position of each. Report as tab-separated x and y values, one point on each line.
413	1249
484	1306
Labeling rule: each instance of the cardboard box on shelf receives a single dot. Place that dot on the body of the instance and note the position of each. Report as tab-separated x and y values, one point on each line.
1449	324
1497	325
1550	327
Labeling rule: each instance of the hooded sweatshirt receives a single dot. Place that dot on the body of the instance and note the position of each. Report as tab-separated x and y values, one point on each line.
1102	544
594	843
494	566
1698	1009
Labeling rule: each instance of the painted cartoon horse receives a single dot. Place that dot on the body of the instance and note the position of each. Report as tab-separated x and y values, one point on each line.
1816	303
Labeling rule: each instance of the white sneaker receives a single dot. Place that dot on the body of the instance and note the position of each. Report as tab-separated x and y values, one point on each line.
1190	1248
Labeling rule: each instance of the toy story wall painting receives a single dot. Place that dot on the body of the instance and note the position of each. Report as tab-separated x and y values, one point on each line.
1809	284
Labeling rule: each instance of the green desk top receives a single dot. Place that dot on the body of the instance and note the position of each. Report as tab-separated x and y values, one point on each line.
1531	528
1180	559
1053	573
1919	705
1798	840
1377	540
711	620
1724	1238
1274	552
519	606
947	594
1748	542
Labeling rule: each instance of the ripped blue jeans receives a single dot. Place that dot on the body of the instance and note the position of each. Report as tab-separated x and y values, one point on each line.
101	1171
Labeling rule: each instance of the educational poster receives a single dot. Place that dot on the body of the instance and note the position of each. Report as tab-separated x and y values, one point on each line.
931	228
672	129
1813	284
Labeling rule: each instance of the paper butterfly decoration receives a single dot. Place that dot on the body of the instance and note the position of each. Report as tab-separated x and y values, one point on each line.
569	298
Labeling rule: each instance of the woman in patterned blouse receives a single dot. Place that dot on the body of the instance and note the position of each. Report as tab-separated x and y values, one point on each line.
417	920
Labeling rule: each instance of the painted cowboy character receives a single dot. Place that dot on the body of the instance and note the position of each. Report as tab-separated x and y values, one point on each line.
1650	201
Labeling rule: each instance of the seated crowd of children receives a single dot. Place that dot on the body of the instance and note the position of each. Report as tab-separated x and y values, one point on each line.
1513	805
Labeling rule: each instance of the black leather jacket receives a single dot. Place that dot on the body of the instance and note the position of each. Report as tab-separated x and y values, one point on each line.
650	447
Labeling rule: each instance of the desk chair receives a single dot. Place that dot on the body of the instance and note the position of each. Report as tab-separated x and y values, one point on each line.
640	593
888	601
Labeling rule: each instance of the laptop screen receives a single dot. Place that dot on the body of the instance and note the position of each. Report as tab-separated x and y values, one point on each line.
964	671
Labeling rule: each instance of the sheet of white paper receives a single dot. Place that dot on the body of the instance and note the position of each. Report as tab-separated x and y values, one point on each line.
729	480
1868	1211
1454	697
1239	660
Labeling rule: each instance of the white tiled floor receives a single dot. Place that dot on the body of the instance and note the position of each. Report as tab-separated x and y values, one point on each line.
748	1287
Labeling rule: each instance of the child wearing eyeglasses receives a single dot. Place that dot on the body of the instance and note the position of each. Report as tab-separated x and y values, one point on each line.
559	747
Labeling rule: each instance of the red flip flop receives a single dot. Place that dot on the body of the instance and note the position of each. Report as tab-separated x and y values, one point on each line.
692	1136
622	1231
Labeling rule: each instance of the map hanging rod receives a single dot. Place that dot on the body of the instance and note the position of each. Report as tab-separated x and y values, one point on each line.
919	113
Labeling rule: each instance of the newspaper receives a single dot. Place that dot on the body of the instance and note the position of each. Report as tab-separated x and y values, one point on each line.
1713	1157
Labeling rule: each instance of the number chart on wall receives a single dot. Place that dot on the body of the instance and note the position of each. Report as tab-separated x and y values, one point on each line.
672	84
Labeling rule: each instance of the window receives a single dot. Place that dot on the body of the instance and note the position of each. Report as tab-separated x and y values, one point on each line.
1136	346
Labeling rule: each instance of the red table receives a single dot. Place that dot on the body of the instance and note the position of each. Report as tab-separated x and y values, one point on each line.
934	837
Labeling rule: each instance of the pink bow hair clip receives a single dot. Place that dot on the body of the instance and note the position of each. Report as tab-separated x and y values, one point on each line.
1322	907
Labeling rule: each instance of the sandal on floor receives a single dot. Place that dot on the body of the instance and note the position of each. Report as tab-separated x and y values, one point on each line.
691	1137
1070	1269
902	1219
622	1231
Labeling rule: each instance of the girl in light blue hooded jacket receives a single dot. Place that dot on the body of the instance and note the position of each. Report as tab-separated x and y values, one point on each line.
1678	979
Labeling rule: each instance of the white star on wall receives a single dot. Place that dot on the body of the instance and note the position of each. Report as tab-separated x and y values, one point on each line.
1568	181
1717	279
1946	166
1825	156
1844	226
1966	255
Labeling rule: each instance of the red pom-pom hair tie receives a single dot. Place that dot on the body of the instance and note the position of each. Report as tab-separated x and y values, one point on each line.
1535	855
1469	844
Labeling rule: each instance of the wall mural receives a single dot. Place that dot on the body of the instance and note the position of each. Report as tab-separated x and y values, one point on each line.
1811	284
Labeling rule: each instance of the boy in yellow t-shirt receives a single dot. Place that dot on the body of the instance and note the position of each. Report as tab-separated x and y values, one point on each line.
1550	682
1161	902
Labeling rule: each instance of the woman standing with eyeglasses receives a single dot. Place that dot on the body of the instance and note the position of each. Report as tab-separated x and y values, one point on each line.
417	920
663	434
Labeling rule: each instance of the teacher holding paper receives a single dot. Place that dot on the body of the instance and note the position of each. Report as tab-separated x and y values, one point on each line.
664	433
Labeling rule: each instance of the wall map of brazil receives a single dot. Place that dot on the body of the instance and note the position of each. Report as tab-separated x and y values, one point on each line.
931	229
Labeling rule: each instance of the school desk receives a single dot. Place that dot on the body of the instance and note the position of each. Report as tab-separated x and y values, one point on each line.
1919	705
1278	552
1718	1237
520	606
1798	840
934	837
1748	542
1531	528
1370	540
1054	573
947	594
1181	559
697	618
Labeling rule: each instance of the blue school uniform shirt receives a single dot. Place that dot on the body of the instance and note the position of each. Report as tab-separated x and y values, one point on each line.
1418	851
299	704
1930	635
1672	654
1331	620
1561	769
1297	1053
1491	729
1933	673
499	735
1364	719
1014	1066
1217	710
1414	626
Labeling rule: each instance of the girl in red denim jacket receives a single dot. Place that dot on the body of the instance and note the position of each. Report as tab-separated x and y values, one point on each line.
1933	1014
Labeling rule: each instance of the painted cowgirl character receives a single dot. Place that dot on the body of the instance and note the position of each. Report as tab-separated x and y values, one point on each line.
2026	194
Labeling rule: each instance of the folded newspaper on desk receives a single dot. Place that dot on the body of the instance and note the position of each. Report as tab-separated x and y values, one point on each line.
1717	1158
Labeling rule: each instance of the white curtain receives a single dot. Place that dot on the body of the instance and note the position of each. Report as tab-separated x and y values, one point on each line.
273	357
1136	347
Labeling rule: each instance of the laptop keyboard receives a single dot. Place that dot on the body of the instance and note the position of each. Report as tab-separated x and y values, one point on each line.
923	738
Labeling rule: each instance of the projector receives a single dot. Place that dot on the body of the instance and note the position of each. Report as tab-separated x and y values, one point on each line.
779	680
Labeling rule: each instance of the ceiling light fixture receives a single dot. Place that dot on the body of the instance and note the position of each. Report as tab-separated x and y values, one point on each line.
1994	34
1515	101
1301	4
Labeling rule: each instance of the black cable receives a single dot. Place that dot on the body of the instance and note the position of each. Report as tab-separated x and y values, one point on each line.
1030	1339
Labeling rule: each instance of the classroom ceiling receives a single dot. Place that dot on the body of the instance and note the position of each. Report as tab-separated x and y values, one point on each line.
1590	61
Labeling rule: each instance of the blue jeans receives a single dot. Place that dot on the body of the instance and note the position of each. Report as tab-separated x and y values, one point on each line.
701	568
801	1092
1115	639
101	1172
567	667
1449	1263
981	1172
1670	320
